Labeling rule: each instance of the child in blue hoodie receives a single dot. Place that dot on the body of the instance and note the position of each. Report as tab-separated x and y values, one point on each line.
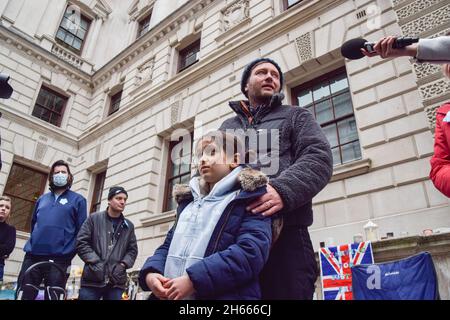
216	249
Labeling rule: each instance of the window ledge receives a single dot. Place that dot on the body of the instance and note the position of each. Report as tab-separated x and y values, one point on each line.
159	218
351	169
66	55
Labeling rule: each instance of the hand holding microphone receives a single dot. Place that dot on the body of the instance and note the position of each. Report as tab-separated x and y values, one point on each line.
387	47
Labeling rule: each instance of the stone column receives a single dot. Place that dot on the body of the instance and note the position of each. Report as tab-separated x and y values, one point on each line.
92	39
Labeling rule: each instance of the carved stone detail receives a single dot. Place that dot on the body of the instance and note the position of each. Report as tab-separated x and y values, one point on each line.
40	151
415	8
431	116
423	70
174	112
305	46
145	72
427	22
435	89
235	14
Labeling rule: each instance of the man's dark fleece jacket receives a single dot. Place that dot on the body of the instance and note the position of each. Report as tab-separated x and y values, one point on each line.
7	240
305	160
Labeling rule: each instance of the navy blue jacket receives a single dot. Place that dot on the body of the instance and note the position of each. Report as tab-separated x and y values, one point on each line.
55	224
236	253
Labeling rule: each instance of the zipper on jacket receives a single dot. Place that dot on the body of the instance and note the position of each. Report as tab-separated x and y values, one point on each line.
229	208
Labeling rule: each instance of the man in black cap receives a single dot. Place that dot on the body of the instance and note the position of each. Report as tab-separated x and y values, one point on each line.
107	245
294	152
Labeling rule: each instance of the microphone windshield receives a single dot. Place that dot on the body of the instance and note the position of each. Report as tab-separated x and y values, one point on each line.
351	48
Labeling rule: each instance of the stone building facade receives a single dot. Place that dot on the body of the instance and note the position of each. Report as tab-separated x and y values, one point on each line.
137	71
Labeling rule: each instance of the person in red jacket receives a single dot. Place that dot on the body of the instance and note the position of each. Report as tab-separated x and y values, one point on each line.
440	162
434	51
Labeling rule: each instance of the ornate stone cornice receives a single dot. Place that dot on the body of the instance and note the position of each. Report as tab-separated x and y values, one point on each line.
34	124
46	57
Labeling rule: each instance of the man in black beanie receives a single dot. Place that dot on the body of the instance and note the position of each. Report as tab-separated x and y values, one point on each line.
299	164
107	245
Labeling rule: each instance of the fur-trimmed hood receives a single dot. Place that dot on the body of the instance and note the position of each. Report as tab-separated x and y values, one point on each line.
249	180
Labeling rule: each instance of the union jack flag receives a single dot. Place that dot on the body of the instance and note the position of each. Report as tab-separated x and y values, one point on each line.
335	268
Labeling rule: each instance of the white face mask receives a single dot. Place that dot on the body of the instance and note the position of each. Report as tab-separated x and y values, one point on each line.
60	179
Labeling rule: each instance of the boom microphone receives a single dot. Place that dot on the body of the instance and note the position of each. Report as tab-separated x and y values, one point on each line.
351	48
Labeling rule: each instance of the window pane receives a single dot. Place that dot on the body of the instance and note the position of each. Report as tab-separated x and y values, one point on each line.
343	104
37	111
324	111
69	39
336	156
50	101
66	23
305	98
171	205
351	151
24	186
189	55
339	83
185	164
45	115
54	105
59	104
178	150
84	23
176	164
98	190
42	98
191	58
292	2
21	214
77	43
331	134
61	34
81	33
185	179
311	109
347	130
320	91
54	119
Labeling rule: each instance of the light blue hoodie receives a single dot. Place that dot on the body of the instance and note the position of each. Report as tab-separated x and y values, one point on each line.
197	222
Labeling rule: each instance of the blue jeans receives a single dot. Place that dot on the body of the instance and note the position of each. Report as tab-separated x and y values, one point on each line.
107	293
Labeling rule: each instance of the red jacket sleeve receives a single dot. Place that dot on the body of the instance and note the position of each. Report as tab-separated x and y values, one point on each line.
440	162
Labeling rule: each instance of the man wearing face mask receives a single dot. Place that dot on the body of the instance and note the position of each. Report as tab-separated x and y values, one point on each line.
57	218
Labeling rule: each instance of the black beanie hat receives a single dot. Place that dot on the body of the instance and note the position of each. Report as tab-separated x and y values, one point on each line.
251	65
115	191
